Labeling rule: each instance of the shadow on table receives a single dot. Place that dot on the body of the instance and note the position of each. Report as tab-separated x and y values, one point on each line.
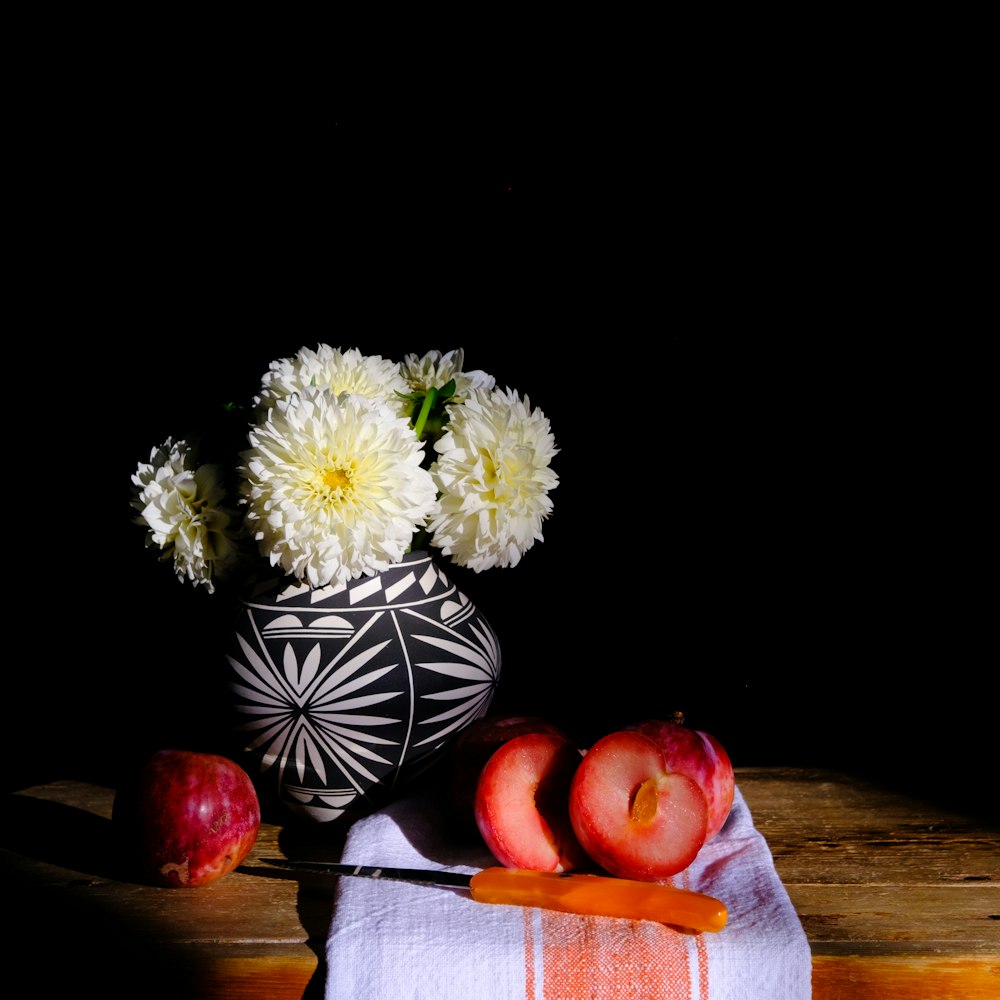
60	934
316	893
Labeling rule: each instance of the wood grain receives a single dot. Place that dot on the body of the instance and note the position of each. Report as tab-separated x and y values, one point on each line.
899	898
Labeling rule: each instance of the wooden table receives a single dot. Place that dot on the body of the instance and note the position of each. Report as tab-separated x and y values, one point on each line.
899	899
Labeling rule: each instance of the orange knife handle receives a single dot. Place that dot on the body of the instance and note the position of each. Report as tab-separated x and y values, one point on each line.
601	896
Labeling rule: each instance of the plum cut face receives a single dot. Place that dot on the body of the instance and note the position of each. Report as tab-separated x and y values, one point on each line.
470	751
634	816
702	757
521	803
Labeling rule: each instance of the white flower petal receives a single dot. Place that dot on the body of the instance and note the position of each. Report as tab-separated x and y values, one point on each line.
493	469
182	505
334	486
341	371
435	370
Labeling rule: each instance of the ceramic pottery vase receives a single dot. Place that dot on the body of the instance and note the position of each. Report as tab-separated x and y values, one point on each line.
342	694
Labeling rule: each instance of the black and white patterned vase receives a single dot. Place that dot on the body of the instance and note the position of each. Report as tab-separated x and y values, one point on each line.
343	694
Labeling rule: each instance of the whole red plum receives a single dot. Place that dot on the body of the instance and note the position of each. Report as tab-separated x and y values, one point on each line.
186	818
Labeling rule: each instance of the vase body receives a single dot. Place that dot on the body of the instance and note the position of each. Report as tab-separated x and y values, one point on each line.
342	694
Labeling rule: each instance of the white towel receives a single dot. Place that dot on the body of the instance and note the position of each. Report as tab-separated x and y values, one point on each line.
400	941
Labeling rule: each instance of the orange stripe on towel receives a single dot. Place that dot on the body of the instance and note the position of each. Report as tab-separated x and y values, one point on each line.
594	958
699	945
529	954
701	950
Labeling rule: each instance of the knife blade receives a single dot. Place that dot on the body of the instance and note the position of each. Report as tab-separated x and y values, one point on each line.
569	892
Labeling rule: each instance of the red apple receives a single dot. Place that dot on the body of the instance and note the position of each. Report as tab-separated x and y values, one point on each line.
470	751
187	818
521	803
634	814
700	756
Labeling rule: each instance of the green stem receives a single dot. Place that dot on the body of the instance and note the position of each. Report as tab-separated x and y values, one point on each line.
425	411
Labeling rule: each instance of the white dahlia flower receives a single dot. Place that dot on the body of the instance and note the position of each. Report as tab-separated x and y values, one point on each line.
350	371
333	485
435	369
493	469
182	505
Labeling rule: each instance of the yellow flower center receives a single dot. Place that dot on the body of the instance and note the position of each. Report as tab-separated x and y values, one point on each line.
337	479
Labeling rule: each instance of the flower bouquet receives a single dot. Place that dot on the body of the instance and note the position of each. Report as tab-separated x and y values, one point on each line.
352	461
355	659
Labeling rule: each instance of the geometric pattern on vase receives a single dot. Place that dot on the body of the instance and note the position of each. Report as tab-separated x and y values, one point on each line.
343	693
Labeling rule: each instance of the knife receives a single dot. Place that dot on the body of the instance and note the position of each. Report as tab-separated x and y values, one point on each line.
570	892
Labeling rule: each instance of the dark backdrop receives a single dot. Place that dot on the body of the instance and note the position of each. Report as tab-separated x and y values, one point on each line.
755	518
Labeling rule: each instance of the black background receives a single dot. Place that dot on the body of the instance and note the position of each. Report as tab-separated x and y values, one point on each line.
763	518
